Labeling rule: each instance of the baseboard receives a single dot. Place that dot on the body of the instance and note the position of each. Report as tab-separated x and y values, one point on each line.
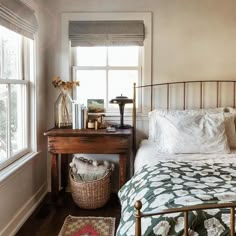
24	213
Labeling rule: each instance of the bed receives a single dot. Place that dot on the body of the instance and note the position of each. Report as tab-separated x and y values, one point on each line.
185	172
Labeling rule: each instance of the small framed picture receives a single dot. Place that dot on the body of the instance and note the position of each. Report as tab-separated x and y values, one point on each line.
95	105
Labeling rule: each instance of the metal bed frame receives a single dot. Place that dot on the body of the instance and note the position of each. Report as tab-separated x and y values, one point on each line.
138	205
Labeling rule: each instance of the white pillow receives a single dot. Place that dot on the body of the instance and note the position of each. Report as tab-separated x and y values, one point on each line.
190	133
154	127
230	129
230	117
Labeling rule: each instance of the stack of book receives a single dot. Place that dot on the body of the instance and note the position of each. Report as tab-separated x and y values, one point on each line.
79	115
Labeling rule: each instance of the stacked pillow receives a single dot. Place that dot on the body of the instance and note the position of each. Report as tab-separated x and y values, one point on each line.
88	170
193	131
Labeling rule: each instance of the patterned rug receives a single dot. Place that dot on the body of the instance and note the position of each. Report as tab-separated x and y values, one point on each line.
88	226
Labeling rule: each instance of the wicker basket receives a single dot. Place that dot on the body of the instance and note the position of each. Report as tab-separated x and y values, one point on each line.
91	194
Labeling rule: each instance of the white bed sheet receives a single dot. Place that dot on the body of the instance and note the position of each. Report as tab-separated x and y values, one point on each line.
148	155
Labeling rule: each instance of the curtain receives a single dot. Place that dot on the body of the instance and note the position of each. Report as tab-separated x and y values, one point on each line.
18	17
106	33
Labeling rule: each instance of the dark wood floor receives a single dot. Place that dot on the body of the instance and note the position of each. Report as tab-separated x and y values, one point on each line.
48	218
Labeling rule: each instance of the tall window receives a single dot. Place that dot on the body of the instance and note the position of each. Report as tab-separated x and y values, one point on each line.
15	57
111	49
106	72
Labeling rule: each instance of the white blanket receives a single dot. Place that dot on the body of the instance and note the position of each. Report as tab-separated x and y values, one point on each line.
148	155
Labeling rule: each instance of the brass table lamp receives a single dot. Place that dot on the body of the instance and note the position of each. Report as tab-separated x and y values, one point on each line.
121	101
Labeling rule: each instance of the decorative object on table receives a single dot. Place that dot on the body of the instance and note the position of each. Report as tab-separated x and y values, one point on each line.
95	105
91	124
101	121
79	115
90	182
96	124
94	226
96	118
76	109
121	101
111	129
63	105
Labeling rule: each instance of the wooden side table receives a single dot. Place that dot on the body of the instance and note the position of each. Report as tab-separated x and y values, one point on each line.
69	141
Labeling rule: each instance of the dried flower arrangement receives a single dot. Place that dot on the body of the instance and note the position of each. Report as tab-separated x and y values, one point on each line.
65	85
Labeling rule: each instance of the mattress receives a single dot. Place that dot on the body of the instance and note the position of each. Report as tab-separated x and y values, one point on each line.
148	155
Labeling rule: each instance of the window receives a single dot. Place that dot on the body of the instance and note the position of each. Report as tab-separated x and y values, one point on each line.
15	61
106	72
84	30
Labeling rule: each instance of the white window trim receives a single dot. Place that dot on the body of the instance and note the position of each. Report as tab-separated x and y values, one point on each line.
66	72
20	158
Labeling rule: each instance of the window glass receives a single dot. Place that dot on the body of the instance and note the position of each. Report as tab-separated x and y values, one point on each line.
121	83
123	56
10	52
17	118
3	121
91	56
92	85
107	74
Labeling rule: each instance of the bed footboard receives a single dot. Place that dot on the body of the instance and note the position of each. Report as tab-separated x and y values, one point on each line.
138	206
139	215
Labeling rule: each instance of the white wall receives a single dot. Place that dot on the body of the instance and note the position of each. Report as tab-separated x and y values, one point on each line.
23	189
192	40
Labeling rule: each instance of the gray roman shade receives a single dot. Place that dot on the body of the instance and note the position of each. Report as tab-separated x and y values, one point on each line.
17	16
106	33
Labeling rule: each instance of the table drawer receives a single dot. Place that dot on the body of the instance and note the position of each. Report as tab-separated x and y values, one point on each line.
91	144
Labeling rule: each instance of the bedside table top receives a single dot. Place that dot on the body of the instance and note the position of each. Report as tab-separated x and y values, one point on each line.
86	132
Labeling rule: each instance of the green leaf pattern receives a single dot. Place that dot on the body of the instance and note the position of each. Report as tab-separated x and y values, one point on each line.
171	184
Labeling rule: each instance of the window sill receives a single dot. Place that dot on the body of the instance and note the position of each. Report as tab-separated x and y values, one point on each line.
12	168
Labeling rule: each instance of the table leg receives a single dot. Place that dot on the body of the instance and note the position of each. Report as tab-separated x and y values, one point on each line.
64	170
54	175
122	170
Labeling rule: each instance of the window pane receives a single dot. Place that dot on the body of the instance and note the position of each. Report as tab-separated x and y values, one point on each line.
10	54
91	56
123	56
18	118
92	85
121	82
3	122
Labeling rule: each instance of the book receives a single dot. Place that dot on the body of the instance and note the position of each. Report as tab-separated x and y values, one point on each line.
76	115
79	115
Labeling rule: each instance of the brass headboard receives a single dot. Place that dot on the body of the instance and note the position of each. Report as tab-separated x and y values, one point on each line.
218	85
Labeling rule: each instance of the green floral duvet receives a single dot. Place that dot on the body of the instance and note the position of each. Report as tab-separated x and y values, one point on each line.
171	184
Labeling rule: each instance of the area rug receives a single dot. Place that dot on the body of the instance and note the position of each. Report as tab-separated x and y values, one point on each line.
88	226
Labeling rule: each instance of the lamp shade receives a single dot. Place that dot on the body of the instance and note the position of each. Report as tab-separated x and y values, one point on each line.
121	100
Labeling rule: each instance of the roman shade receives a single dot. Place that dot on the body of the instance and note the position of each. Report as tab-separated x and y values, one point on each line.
17	16
106	33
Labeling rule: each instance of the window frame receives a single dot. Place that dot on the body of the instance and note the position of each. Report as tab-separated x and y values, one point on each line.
108	68
66	61
26	79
